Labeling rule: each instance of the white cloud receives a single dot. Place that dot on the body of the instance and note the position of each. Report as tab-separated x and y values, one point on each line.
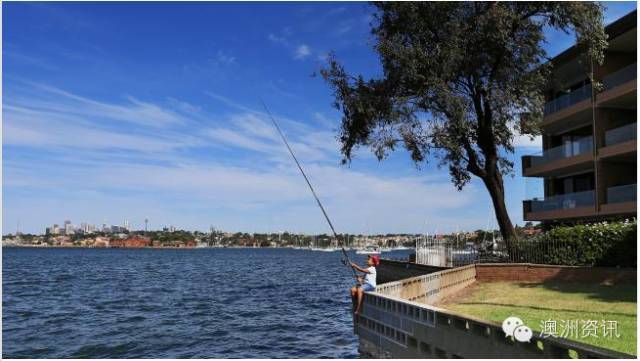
47	98
256	133
181	175
42	134
343	27
232	104
276	192
46	117
301	52
224	58
255	125
24	59
326	122
277	39
238	140
525	141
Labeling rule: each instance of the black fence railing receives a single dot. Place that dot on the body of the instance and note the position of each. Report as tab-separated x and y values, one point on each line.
528	250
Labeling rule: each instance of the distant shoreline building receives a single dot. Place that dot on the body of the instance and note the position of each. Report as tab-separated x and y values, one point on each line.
130	242
588	163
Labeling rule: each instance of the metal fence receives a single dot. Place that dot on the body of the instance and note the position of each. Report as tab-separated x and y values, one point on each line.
447	253
444	253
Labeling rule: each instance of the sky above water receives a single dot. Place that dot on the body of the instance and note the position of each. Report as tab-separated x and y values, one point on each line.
126	111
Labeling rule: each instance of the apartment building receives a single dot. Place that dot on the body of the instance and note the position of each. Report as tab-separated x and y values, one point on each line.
588	162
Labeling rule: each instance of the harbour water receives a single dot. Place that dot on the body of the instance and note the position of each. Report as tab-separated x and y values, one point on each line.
197	303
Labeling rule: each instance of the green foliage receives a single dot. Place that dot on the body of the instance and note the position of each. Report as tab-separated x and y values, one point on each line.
457	79
170	237
600	244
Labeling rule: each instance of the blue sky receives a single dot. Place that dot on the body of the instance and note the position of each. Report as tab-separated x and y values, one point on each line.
131	110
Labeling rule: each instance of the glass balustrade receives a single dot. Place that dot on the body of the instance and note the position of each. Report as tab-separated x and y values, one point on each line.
620	77
621	134
568	99
563	201
567	150
610	81
620	194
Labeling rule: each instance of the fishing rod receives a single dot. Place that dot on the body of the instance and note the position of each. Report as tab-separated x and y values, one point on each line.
345	256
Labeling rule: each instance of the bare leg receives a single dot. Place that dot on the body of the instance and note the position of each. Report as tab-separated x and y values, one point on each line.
360	297
354	293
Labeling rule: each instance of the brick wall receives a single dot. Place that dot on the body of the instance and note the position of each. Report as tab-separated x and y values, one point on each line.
540	273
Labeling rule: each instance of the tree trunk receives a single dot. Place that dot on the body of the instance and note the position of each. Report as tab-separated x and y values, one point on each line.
496	190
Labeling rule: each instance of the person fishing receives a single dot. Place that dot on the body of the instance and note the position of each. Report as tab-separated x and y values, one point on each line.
369	281
366	283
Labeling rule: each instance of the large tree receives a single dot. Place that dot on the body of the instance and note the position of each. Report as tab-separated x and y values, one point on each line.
460	81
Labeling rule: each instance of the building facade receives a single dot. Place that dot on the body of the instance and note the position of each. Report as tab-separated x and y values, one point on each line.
588	162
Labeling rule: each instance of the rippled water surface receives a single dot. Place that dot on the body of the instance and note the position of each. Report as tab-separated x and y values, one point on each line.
224	303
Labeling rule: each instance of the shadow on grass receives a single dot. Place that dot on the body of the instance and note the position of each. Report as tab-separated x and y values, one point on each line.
599	292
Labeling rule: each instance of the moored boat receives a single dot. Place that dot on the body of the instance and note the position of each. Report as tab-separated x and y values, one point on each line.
369	250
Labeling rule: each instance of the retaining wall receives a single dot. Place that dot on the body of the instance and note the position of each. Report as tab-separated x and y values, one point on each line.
393	325
525	272
432	287
390	327
393	270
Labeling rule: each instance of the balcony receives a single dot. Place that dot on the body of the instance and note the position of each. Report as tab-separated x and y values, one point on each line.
620	194
569	205
571	156
619	142
620	77
621	200
621	134
570	111
563	201
567	100
619	89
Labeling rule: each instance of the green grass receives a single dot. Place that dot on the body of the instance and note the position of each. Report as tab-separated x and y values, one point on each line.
535	303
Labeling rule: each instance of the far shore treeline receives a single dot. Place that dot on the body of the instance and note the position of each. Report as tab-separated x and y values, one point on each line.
189	239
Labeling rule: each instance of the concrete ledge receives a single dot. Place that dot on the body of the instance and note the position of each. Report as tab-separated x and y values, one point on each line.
561	214
629	88
432	287
618	149
630	208
563	165
561	114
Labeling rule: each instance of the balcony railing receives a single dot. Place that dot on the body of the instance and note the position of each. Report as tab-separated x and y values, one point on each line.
567	150
564	201
620	77
568	100
621	194
621	134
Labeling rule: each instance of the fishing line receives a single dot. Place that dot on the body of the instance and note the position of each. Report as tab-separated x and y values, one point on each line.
345	259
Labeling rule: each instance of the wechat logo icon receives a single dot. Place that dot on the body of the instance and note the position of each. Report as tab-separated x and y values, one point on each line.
514	327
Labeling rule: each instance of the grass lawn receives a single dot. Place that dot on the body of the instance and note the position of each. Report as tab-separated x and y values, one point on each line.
559	301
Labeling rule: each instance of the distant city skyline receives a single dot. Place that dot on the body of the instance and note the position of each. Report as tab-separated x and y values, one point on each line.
108	112
104	226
